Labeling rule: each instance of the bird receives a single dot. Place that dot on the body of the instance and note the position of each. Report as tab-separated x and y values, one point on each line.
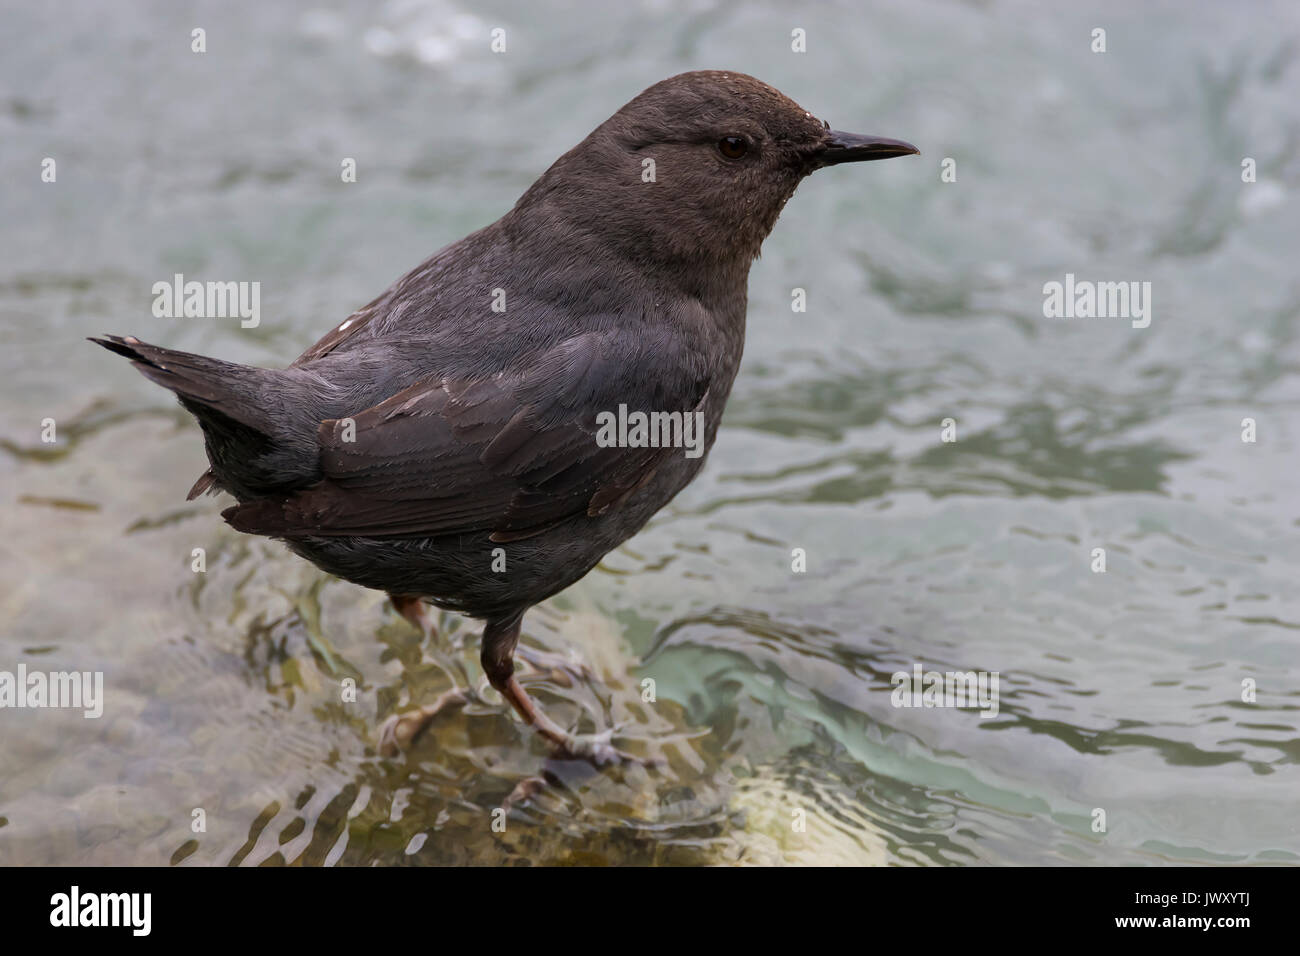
441	443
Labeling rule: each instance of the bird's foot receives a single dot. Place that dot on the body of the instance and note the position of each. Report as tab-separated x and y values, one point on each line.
597	751
525	790
565	670
399	731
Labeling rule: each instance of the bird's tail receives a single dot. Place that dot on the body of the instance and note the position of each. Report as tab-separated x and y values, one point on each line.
233	404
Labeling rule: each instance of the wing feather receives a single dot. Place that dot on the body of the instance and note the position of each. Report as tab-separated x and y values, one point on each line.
513	454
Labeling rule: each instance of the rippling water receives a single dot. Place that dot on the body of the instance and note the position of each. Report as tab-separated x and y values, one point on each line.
1120	691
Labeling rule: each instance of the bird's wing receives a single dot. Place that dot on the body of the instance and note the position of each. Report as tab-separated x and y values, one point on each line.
342	332
512	454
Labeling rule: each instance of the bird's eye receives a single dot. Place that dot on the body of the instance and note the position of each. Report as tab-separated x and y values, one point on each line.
733	147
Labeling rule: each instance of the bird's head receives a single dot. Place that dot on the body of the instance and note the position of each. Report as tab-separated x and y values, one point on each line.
698	167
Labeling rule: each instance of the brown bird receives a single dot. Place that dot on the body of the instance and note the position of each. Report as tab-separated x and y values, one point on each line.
455	420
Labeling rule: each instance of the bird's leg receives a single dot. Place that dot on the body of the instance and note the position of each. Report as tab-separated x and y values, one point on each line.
414	609
399	731
499	641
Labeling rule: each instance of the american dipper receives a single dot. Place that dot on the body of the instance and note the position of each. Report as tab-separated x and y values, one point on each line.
441	444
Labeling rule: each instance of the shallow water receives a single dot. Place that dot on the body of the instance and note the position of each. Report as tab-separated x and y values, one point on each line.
1120	691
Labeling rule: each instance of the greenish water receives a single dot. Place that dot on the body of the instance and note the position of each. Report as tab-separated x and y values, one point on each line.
1120	691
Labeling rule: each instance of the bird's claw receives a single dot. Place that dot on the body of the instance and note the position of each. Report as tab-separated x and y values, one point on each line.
599	752
399	731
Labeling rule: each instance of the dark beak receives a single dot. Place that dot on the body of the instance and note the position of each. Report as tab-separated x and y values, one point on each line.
854	148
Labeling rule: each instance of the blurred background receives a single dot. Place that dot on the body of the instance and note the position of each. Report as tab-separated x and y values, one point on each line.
1120	691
